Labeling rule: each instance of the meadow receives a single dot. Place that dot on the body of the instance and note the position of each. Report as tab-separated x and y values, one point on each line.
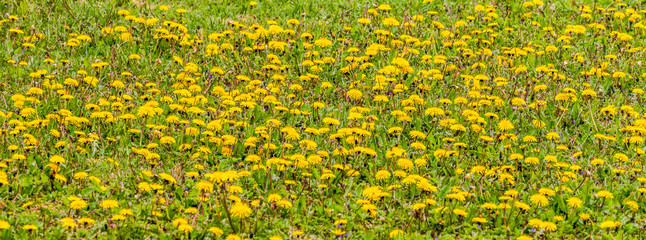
337	119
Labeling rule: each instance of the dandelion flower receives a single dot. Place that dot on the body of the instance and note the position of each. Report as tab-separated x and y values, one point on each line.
240	210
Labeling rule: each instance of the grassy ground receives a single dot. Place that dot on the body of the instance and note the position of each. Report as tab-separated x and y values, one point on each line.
322	119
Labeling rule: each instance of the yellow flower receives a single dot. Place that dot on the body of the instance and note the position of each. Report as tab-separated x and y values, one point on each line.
29	227
109	204
609	224
505	125
216	230
185	228
460	212
168	178
274	198
323	43
204	186
390	21
57	159
418	206
382	174
549	226
605	194
284	204
4	224
540	200
233	237
524	237
78	204
396	232
574	202
364	21
633	205
535	222
240	210
384	7
337	232
80	175
27	204
126	212
293	22
354	94
68	223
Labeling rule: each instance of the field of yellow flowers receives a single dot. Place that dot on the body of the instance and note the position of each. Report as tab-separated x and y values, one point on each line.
225	119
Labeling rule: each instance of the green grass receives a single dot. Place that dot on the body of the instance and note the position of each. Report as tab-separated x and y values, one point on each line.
233	127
